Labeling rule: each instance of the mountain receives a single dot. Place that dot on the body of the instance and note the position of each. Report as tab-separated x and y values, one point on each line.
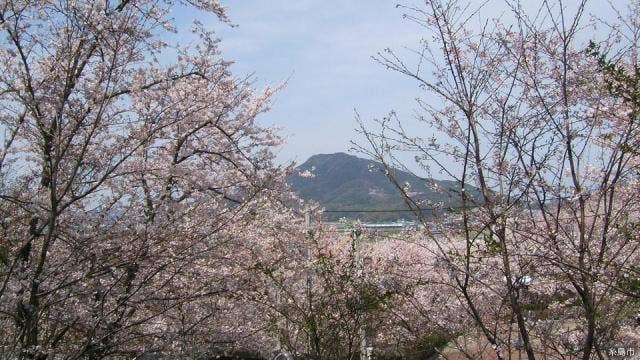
345	182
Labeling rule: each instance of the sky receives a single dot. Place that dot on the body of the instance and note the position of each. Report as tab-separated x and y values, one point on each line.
323	50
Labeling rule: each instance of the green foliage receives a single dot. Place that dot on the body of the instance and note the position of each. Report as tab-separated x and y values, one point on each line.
428	346
630	285
628	229
633	285
373	298
425	347
536	306
346	297
493	245
620	82
4	255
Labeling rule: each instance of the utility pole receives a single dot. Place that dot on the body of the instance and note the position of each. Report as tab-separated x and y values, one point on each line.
362	332
308	234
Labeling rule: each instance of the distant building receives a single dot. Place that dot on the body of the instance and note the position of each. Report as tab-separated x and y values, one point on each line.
391	226
398	225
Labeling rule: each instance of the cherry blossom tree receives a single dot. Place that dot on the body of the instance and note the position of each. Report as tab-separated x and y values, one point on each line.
317	293
128	181
543	263
331	294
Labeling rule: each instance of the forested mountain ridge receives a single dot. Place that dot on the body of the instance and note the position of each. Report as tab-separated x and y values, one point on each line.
341	181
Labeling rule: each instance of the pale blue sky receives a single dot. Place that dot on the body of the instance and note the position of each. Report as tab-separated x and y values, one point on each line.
324	49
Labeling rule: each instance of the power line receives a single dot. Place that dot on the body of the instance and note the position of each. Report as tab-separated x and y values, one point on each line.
366	211
395	210
458	207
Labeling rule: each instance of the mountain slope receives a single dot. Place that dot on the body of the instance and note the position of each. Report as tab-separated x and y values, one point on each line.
345	182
